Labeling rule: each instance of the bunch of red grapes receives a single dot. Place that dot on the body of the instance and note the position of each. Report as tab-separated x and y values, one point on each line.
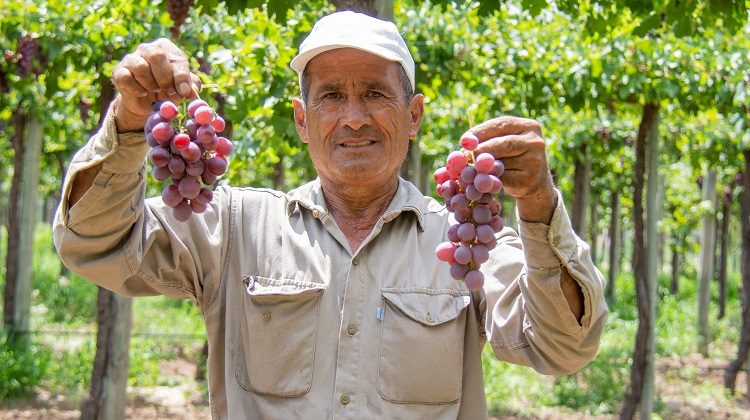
188	155
470	186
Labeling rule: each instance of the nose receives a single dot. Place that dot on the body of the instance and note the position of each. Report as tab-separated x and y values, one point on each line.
355	114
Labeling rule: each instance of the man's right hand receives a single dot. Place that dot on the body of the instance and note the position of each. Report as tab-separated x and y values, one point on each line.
157	70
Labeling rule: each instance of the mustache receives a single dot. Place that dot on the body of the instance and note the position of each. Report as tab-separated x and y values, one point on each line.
366	132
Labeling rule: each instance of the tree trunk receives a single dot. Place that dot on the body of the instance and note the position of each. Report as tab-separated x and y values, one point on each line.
726	212
12	248
730	377
708	249
640	392
593	227
674	284
378	8
614	245
581	188
109	379
28	147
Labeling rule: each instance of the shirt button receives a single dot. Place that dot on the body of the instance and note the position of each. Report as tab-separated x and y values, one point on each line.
556	240
355	261
267	316
345	399
351	329
316	214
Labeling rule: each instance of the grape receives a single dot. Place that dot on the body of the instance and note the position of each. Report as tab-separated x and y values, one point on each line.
483	183
466	232
159	156
485	233
470	184
217	165
189	187
445	251
481	214
469	141
150	140
474	279
176	166
458	271
441	175
189	156
168	111
197	206
171	195
468	173
207	177
462	255
192	152
479	254
218	124
163	132
205	196
182	211
195	168
192	128
485	163
204	115
224	146
181	141
160	173
205	134
195	105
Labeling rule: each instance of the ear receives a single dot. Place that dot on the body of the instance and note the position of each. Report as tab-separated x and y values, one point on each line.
300	122
416	110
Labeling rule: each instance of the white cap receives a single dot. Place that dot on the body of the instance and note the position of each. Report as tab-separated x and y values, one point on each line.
355	30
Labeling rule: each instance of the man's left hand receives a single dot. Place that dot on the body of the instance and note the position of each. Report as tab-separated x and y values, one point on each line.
519	144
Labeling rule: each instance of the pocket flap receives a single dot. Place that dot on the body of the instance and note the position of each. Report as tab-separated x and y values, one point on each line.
429	306
259	287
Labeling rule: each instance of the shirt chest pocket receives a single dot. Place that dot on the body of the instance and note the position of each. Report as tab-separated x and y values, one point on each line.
422	345
279	329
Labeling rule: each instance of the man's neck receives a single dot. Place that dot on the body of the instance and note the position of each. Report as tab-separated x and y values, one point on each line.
357	209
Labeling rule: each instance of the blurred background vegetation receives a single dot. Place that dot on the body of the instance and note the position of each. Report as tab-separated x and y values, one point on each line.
593	73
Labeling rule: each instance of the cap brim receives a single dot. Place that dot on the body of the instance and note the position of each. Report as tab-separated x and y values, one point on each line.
299	62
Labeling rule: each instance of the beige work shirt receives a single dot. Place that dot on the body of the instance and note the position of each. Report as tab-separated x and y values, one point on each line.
299	325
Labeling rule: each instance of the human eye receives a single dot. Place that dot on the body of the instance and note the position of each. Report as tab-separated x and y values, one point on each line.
374	94
332	96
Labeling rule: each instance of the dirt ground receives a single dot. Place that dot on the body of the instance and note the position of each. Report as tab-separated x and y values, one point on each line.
689	388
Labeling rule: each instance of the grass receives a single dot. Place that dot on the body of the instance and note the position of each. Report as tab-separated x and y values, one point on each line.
61	363
599	388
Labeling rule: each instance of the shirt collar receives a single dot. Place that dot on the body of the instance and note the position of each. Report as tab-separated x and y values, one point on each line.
407	198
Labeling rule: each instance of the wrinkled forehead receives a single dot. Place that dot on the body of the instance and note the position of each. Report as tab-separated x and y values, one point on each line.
347	65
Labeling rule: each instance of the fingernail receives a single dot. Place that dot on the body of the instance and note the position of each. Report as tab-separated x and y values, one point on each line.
184	89
171	92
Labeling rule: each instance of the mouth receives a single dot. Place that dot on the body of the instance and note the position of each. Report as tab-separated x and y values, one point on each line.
355	144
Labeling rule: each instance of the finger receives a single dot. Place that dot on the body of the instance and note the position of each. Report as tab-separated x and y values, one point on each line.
181	75
510	145
126	84
503	126
197	83
160	66
141	71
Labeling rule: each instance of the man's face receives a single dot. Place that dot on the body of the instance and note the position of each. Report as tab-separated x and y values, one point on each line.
356	122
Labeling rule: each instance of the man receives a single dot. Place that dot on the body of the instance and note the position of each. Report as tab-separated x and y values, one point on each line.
328	301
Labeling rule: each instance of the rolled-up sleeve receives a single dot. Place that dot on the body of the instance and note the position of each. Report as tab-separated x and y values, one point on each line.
527	317
116	238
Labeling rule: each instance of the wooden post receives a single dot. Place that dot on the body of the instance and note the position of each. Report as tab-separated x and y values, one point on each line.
708	247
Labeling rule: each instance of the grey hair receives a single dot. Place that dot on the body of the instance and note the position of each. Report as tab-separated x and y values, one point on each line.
304	83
